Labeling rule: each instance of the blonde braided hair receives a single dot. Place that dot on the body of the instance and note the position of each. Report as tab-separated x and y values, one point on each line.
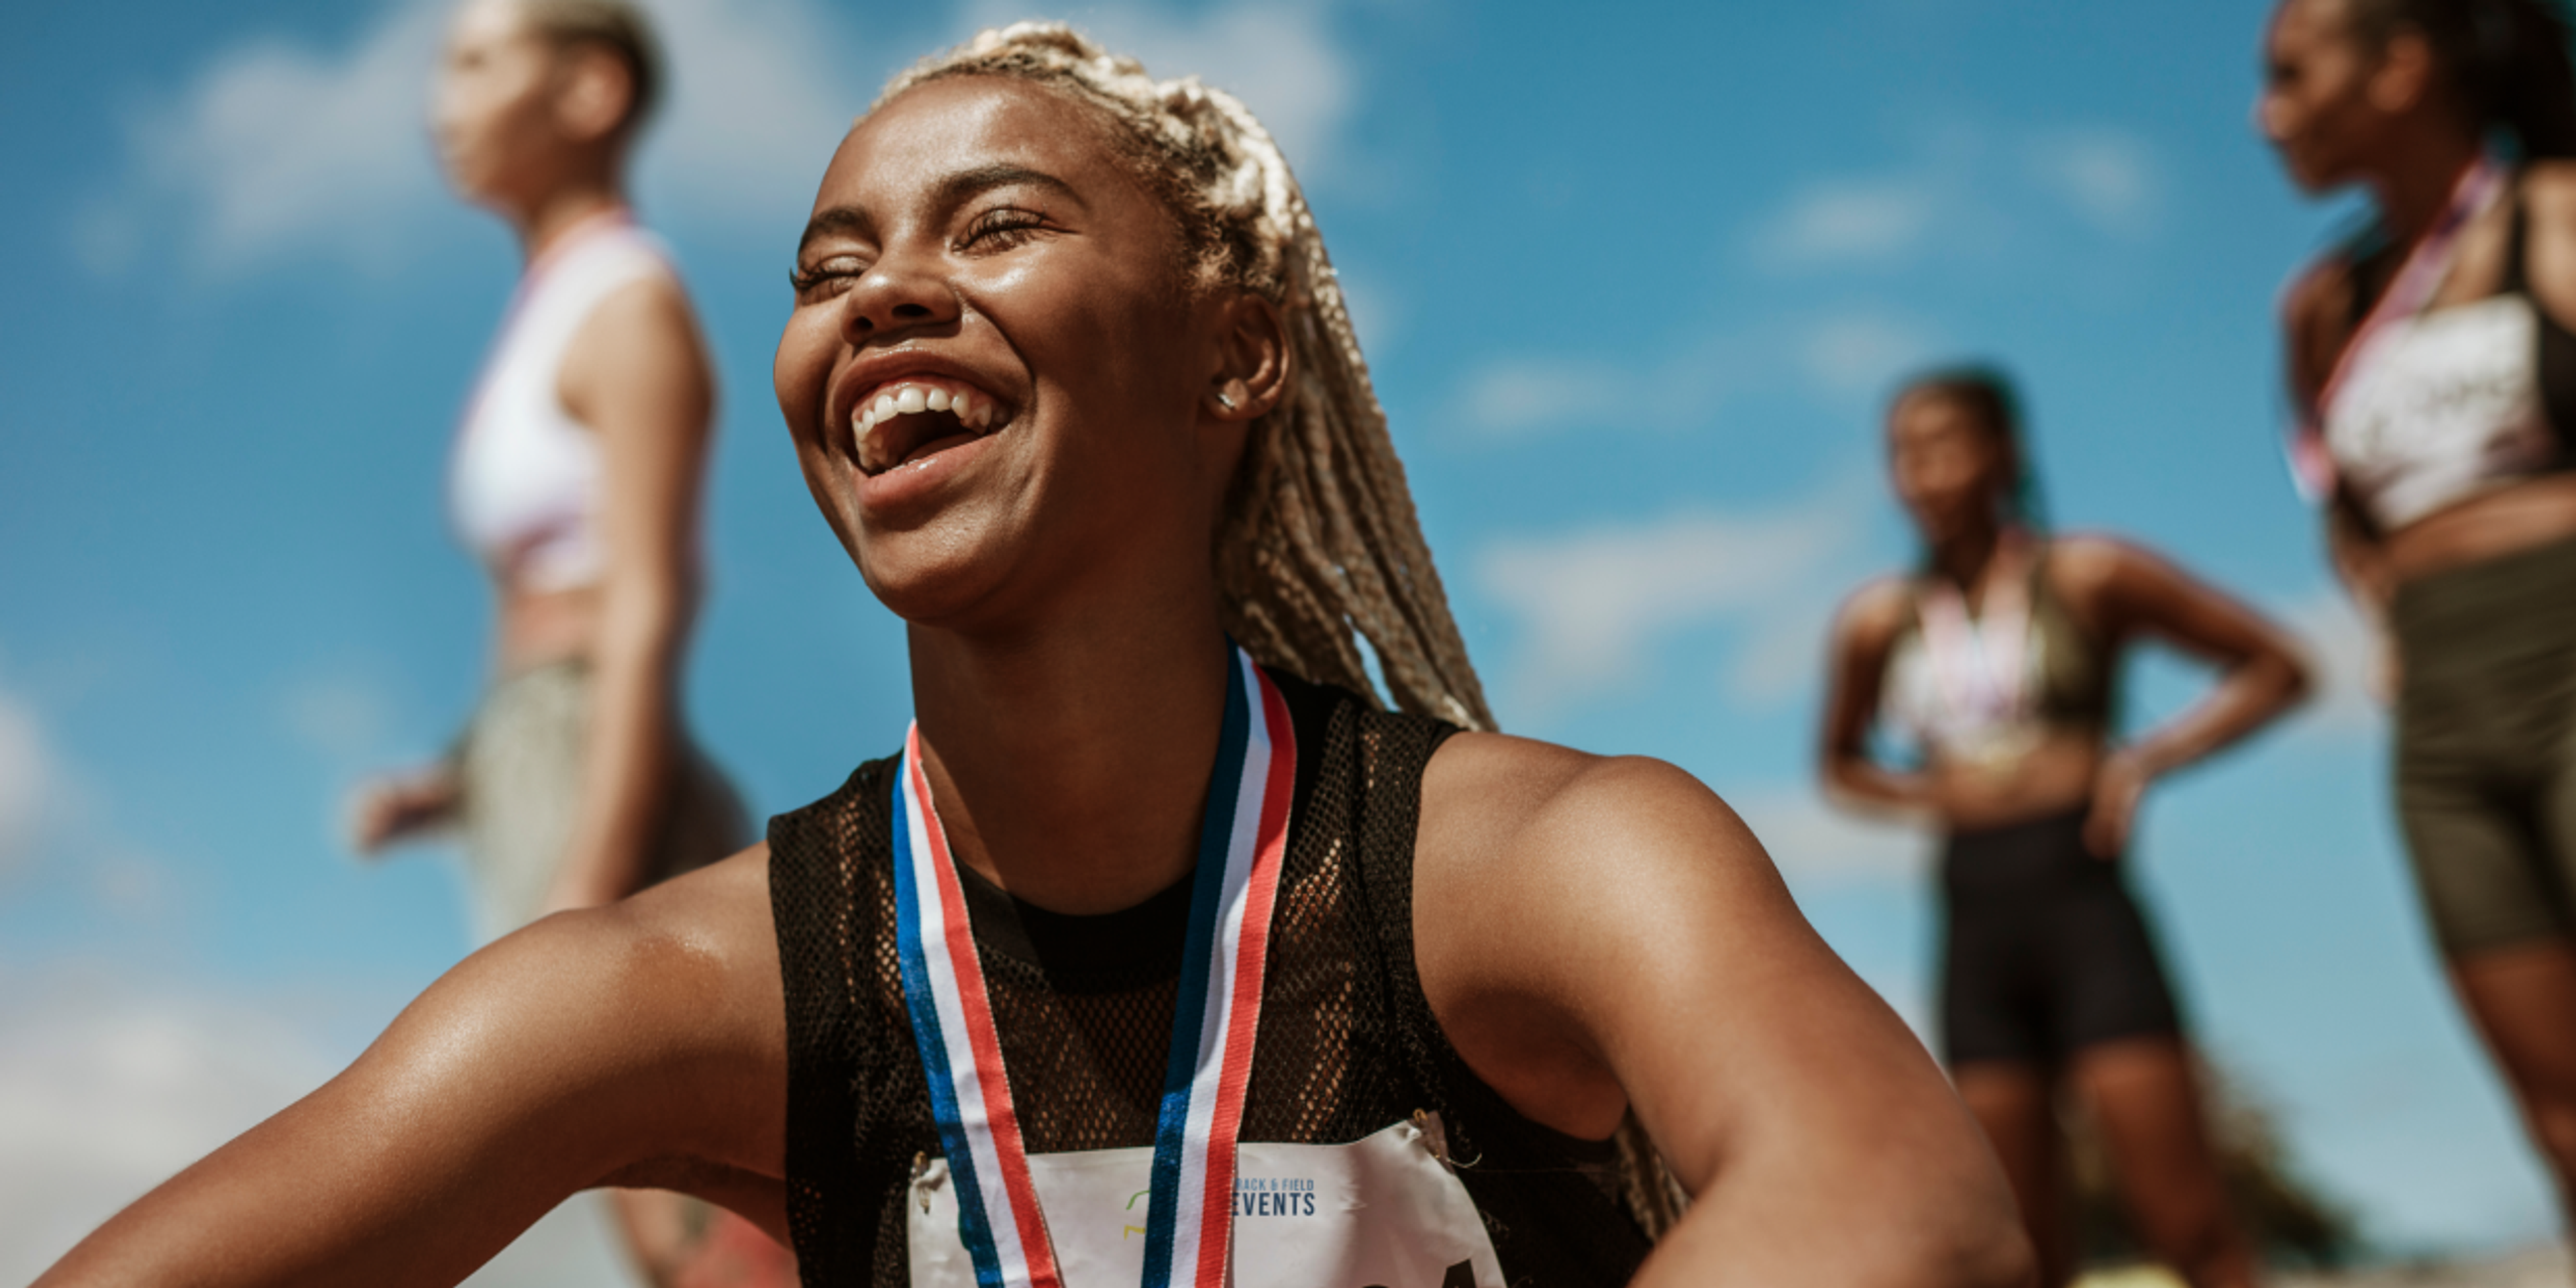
1319	545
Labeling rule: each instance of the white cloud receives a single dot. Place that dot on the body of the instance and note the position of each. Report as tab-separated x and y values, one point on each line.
1834	357
1860	353
1593	605
2107	176
1281	59
1838	221
762	91
107	1089
276	148
1969	190
346	718
29	782
1517	398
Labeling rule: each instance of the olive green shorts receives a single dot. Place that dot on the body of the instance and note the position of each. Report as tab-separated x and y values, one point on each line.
520	764
2486	747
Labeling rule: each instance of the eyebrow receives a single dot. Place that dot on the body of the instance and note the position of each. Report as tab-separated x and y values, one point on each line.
951	191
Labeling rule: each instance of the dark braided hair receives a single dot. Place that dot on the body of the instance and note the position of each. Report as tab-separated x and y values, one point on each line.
1985	391
2506	60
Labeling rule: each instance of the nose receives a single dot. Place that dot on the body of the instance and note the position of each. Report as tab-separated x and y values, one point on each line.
896	296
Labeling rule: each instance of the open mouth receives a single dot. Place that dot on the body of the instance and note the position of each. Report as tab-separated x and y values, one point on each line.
910	420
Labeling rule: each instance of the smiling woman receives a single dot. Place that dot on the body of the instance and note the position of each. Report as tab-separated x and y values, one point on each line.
1146	930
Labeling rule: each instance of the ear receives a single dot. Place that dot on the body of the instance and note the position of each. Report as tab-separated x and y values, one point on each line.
2404	78
592	93
1249	359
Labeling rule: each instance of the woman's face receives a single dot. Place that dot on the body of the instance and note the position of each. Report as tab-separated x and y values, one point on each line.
1949	466
977	244
492	108
2317	106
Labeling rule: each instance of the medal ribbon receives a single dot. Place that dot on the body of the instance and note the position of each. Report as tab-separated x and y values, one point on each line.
1242	846
1978	662
2311	464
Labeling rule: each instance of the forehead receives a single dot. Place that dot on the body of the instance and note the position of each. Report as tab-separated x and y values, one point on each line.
2299	24
1929	413
910	145
486	23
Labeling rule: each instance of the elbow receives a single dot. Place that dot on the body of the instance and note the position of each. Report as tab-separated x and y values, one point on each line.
1982	1245
2292	678
1995	1254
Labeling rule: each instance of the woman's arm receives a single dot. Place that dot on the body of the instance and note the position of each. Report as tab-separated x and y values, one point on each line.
2134	593
637	374
1596	935
638	1044
1855	668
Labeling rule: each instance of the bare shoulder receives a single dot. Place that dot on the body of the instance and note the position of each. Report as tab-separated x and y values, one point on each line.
641	340
1554	842
677	987
2090	563
2316	319
2319	294
1498	792
2549	191
1873	615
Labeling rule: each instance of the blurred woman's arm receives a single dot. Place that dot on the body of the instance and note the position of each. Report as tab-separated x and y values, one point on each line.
640	1044
637	373
2261	673
1855	667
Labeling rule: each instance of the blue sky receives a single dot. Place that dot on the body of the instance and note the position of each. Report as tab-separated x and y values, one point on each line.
1633	280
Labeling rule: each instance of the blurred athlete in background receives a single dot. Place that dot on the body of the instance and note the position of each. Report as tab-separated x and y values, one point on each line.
2433	368
1999	657
577	478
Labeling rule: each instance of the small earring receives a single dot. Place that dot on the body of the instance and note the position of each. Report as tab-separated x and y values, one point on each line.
1225	400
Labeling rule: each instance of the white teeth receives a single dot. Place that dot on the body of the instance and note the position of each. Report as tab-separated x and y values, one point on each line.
885	406
938	399
963	404
911	400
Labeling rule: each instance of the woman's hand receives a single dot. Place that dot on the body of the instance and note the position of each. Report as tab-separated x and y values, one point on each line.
389	810
2117	788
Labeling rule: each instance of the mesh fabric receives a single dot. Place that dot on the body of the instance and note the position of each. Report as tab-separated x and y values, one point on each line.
1347	1044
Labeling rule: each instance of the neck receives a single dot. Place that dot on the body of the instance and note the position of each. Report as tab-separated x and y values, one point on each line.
2416	186
546	223
1965	556
1070	763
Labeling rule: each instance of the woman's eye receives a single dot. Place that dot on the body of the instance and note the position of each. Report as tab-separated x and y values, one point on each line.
829	278
999	230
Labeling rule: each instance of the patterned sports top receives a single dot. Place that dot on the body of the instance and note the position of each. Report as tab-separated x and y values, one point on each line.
1347	1043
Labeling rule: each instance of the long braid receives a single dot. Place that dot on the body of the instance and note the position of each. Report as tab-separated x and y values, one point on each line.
1319	546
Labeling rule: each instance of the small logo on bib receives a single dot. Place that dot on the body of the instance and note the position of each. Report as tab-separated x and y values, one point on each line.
1274	1196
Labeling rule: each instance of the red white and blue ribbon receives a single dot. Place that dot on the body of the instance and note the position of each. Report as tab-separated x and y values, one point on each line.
2311	463
1242	845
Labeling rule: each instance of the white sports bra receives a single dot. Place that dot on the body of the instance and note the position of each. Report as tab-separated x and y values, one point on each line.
524	482
2447	407
2431	407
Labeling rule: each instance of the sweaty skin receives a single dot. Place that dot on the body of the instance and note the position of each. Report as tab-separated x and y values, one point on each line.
1593	934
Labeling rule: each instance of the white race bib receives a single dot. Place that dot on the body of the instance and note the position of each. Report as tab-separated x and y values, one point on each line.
1383	1212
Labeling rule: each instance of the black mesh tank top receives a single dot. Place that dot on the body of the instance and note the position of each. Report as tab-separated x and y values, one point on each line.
1347	1043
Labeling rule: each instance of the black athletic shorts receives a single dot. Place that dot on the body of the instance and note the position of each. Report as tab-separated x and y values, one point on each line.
2044	952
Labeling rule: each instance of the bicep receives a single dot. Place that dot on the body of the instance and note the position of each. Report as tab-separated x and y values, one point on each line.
1735	1033
1855	669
